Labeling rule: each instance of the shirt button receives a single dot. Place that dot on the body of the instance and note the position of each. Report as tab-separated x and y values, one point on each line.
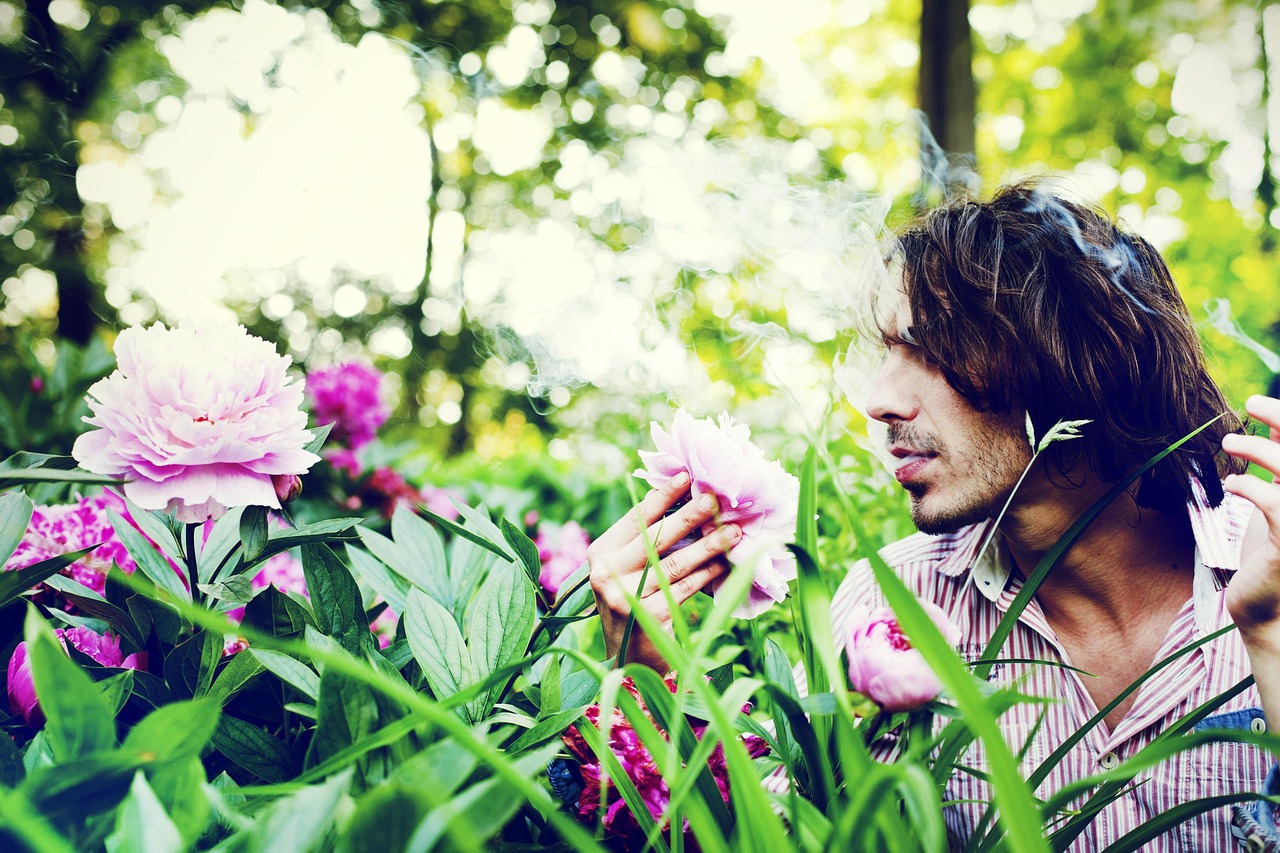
1109	761
1259	725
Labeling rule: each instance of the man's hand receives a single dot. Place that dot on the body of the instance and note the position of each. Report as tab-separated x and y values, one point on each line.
1253	598
619	556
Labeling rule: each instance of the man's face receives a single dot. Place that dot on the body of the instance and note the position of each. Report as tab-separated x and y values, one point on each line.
958	464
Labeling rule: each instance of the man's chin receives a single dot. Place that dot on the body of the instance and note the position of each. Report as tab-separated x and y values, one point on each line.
934	522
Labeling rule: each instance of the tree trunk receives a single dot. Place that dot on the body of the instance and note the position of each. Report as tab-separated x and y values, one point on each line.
947	93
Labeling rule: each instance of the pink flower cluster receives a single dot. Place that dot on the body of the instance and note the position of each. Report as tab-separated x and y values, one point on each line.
885	667
196	419
638	763
753	492
349	396
103	648
59	529
561	550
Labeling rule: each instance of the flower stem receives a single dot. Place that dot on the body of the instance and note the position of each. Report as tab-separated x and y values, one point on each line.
189	556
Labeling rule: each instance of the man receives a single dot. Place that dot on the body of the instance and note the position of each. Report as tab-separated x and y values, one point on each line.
1029	307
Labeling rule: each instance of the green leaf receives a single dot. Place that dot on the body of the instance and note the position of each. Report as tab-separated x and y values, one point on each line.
320	532
142	825
319	433
181	789
11	769
437	645
292	671
526	551
276	614
149	560
549	686
189	668
471	536
155	524
70	790
155	616
252	749
175	732
424	562
223	539
253	531
237	589
15	514
14	583
386	817
300	820
550	727
345	712
500	628
372	572
116	690
235	676
79	721
335	598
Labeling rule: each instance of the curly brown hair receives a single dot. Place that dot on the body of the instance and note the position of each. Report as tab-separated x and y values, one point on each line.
1030	301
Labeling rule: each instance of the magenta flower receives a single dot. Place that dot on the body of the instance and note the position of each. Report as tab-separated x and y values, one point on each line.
562	550
753	492
885	667
384	626
197	419
638	763
103	648
58	529
349	396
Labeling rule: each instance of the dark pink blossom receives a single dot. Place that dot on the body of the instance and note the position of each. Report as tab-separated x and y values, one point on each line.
103	648
754	493
562	550
636	761
349	396
885	667
62	528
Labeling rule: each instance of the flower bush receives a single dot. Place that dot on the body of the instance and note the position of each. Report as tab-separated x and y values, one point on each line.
755	493
194	434
104	649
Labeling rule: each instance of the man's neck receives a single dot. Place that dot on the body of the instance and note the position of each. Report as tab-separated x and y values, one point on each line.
1129	565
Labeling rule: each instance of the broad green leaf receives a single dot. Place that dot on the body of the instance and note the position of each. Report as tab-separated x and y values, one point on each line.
386	817
15	514
223	539
372	572
549	686
437	645
234	590
291	670
11	769
116	690
252	749
158	526
526	551
253	531
469	566
150	562
489	544
318	436
142	825
316	533
72	789
552	726
501	623
235	676
175	732
275	614
424	552
335	598
346	711
79	721
181	789
14	583
189	667
300	820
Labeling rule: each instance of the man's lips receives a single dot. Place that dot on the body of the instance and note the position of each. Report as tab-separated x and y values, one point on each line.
910	463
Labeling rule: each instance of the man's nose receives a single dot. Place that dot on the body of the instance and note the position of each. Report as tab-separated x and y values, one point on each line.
889	399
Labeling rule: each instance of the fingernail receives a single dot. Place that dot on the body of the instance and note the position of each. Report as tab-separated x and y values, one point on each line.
734	532
1231	439
707	502
681	480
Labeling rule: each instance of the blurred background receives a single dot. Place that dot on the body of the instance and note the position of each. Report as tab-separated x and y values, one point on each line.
548	221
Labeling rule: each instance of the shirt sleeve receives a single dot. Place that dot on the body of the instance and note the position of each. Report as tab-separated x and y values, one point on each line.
1254	824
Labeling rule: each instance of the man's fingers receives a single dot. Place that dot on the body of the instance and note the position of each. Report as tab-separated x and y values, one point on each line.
679	565
684	588
1265	496
1254	448
1266	410
650	508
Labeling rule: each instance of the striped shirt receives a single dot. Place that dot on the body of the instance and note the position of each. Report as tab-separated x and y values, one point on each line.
937	569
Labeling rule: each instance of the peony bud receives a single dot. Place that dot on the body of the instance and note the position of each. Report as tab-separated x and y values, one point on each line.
287	486
885	667
22	689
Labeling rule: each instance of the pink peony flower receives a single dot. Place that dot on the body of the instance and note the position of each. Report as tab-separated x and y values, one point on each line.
638	763
384	625
883	665
753	492
62	528
562	550
349	397
344	460
103	648
197	419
